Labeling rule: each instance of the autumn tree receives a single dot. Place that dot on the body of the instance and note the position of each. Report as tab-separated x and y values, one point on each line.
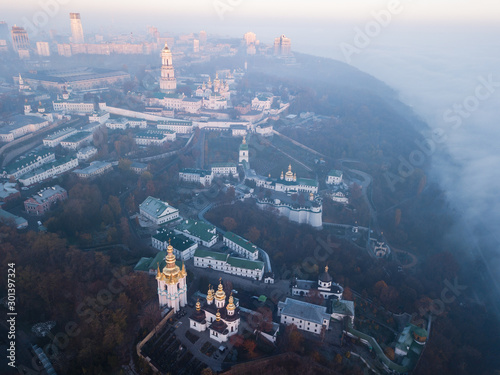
229	223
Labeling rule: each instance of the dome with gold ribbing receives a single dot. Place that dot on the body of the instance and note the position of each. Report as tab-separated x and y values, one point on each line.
231	305
210	294
220	295
171	273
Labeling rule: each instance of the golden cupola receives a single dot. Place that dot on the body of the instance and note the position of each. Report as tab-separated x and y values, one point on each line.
171	272
289	174
220	295
198	305
231	306
210	296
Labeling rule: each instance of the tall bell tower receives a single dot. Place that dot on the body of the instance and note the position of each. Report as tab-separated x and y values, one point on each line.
168	83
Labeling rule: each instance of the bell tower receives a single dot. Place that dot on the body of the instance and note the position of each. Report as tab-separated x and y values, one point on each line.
168	83
243	151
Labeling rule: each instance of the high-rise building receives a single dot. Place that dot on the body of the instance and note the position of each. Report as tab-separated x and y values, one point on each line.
202	36
43	48
282	46
250	38
20	40
168	83
196	46
76	28
4	30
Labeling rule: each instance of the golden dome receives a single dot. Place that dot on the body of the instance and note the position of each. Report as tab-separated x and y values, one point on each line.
171	272
244	140
210	296
217	316
326	268
220	295
289	173
230	305
198	305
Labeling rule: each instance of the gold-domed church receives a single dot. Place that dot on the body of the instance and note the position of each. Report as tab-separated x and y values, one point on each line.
172	286
221	320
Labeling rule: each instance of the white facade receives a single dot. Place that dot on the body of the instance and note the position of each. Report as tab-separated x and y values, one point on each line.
29	163
241	246
96	168
154	137
339	197
86	153
225	169
76	140
305	316
176	126
334	177
55	138
101	117
26	124
264	130
227	264
75	107
312	216
198	176
261	103
157	211
56	168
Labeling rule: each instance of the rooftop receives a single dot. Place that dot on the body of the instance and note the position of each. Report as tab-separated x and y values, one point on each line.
201	172
342	307
178	241
198	228
45	194
24	162
247	245
304	310
155	207
202	253
335	173
77	137
60	133
93	167
224	165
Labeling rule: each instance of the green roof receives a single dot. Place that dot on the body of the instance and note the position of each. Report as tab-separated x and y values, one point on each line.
160	259
221	165
307	182
343	307
30	159
143	264
210	254
178	241
199	229
77	137
335	173
245	263
243	146
247	245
